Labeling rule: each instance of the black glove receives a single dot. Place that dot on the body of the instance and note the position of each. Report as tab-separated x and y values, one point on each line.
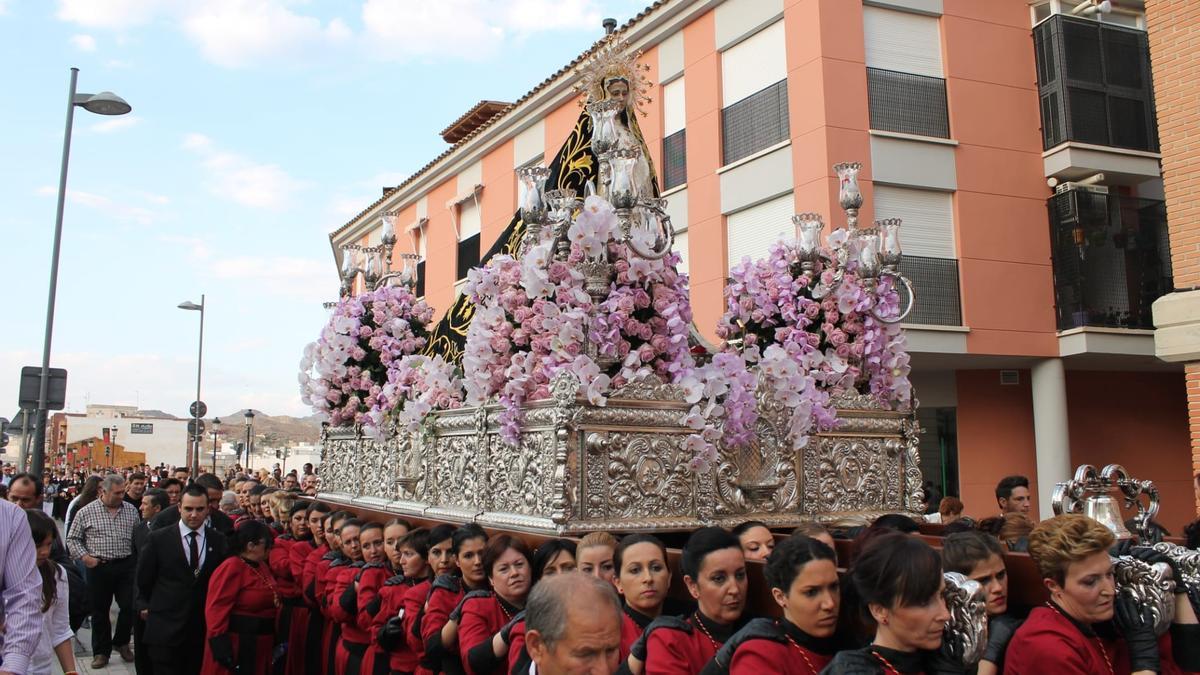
638	650
349	600
1121	548
1136	625
222	651
1000	631
391	634
1149	556
506	630
456	615
938	662
446	582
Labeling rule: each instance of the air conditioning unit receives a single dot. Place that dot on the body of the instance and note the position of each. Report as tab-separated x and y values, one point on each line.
1081	204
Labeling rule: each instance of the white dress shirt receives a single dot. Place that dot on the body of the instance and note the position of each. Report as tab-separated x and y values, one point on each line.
184	531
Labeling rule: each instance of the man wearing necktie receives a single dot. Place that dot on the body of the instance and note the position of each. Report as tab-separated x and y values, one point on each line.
172	580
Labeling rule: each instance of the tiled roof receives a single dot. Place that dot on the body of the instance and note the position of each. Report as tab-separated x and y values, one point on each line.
479	114
495	118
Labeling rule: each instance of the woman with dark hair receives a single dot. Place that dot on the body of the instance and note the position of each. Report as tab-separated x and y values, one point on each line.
487	616
293	615
979	557
756	539
803	577
714	571
243	598
379	606
643	579
898	582
438	633
55	640
402	598
304	556
555	556
1074	632
361	579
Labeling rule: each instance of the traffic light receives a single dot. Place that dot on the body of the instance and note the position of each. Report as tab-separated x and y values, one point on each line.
3	432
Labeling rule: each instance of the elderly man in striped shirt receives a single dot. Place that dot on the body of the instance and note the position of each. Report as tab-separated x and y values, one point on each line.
22	592
102	537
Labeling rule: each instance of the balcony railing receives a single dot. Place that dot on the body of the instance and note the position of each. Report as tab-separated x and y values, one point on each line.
935	281
1111	259
907	103
1094	83
754	123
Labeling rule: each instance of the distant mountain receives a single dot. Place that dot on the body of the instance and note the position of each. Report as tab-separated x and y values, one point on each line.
157	414
280	428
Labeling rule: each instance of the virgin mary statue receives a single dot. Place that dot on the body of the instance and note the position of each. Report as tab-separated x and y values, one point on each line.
610	72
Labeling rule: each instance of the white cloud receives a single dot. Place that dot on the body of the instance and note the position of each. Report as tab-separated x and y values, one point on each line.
301	278
84	43
198	247
239	33
115	124
235	177
401	29
105	204
110	14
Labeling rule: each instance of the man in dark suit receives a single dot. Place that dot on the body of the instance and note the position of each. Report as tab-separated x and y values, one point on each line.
172	582
154	501
216	519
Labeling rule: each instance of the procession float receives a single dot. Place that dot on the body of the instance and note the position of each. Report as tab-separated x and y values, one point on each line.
567	390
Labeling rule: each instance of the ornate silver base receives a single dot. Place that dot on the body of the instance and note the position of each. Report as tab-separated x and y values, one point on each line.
623	466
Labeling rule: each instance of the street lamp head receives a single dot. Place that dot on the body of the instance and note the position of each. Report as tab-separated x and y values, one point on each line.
106	103
216	421
188	304
249	417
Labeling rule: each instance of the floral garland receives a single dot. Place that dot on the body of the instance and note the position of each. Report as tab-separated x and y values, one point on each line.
807	337
363	368
534	319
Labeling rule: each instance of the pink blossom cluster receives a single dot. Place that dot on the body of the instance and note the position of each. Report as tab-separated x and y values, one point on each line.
422	384
534	319
345	374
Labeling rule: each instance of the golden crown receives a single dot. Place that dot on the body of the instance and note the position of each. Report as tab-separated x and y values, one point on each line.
612	60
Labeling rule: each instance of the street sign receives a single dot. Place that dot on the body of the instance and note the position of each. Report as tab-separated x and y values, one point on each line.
141	428
197	409
192	427
56	392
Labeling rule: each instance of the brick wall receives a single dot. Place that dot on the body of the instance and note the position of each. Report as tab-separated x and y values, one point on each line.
1174	31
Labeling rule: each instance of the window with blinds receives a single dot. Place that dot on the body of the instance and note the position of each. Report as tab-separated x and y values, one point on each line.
750	232
754	93
468	237
928	216
674	136
905	86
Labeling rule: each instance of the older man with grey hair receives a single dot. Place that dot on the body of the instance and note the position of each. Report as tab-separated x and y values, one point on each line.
101	536
573	626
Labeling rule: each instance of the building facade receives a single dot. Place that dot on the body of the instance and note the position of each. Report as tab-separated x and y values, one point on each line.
118	436
1017	141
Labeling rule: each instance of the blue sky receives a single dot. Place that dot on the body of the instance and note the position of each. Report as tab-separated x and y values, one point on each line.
257	127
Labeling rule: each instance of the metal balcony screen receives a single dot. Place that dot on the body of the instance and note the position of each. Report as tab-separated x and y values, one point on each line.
468	255
1094	82
907	103
420	289
754	123
1111	259
675	159
935	281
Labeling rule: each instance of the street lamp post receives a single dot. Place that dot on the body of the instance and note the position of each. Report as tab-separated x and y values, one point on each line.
249	436
112	447
104	103
216	425
194	462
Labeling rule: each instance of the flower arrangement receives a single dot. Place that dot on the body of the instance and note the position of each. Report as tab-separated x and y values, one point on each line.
535	318
362	368
808	334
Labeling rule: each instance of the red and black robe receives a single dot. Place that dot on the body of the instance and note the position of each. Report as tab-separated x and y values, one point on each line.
783	649
685	650
482	617
240	616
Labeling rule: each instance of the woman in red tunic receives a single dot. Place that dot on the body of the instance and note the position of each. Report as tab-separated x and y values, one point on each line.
714	571
388	614
293	616
314	638
553	557
1071	552
804	582
481	645
439	560
643	579
898	579
979	557
352	653
242	603
438	633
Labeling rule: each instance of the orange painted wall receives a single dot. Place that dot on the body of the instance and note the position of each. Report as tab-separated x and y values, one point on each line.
706	225
995	437
498	201
1137	420
442	250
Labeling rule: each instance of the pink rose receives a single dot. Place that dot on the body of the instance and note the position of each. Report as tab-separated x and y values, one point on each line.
646	353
